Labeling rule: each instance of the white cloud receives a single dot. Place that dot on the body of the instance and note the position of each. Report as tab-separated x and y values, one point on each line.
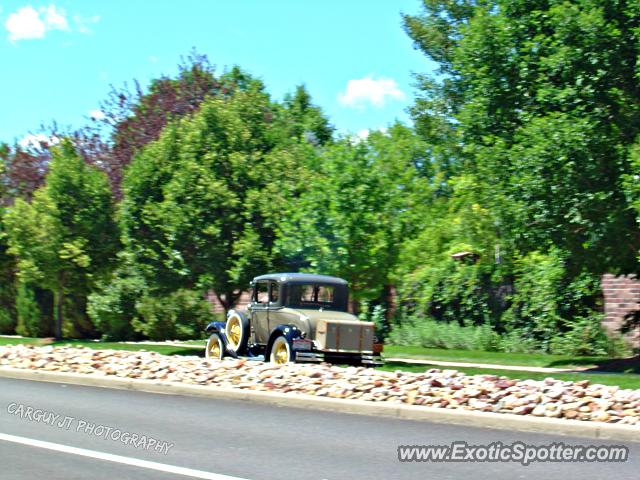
83	24
27	23
55	19
97	114
370	90
34	140
362	135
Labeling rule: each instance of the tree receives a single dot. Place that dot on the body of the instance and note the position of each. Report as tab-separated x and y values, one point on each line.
299	119
201	204
7	267
356	208
543	102
132	118
23	171
66	237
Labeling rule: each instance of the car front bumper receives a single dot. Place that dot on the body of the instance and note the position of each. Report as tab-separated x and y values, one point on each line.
363	358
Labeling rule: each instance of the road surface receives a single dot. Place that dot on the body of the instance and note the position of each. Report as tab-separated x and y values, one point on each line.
229	440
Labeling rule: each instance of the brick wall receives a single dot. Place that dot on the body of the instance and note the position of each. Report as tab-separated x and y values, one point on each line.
217	307
621	296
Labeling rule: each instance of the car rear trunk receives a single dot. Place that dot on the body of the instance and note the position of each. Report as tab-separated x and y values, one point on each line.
347	336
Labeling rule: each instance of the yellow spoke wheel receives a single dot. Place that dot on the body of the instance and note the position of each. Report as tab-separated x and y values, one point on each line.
280	351
215	350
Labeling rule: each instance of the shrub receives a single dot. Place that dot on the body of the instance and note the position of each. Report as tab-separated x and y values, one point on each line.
377	315
7	322
587	337
180	315
449	335
113	308
519	341
28	312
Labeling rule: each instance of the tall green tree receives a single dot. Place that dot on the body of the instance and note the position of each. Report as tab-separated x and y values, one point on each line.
66	237
202	203
359	203
7	264
535	110
542	101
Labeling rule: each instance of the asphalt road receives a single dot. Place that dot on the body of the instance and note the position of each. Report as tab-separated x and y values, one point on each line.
242	439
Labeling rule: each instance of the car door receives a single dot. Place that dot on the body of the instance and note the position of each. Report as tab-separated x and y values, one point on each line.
275	305
260	312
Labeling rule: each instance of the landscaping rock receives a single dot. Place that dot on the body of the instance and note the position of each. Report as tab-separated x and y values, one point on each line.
448	389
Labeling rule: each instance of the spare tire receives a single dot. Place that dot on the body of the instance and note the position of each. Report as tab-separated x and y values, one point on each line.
237	332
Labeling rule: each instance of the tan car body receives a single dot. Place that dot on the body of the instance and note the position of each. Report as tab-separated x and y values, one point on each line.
315	331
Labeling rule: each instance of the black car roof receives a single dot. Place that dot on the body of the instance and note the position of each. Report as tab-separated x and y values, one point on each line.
300	277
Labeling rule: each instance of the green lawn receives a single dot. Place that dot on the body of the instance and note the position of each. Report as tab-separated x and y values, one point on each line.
163	349
498	358
16	341
623	380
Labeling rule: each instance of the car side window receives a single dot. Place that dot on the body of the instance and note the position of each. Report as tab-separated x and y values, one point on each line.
274	295
325	294
262	292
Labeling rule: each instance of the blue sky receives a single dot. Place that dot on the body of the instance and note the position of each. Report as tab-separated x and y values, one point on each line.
59	58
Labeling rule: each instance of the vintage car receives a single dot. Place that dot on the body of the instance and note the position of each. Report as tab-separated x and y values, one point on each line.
296	317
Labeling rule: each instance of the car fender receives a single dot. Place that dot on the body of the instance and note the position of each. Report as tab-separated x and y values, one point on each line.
215	327
218	327
290	332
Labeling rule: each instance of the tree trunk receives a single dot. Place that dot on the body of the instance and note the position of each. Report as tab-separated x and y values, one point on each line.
354	306
222	302
59	303
59	299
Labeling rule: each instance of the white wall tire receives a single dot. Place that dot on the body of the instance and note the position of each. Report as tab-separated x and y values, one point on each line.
236	331
280	353
215	348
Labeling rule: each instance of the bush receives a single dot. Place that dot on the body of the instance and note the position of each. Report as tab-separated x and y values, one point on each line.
180	315
377	315
587	337
449	335
519	341
7	322
28	312
113	308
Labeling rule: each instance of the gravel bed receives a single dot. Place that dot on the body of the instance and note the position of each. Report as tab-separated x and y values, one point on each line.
438	388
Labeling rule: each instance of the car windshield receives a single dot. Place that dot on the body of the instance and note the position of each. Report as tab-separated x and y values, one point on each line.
333	297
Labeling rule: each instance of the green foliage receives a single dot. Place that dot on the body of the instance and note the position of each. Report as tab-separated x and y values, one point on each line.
535	304
377	315
535	116
356	209
7	266
299	119
543	104
113	305
181	315
524	158
448	335
28	311
587	337
201	204
7	322
65	238
431	283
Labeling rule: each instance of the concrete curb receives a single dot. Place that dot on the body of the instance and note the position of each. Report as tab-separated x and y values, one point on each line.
502	421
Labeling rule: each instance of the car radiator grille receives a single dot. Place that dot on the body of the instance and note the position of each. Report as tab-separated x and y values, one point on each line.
344	336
